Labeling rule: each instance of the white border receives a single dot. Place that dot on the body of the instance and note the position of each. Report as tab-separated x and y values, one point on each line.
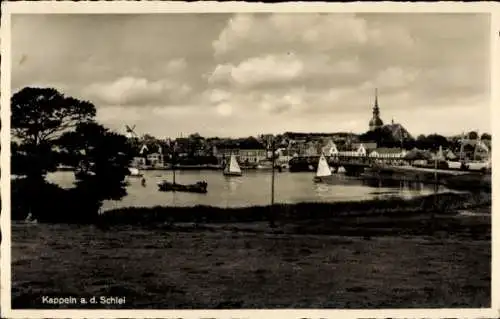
43	7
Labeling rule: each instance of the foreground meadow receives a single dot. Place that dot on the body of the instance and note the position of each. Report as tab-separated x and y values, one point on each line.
311	264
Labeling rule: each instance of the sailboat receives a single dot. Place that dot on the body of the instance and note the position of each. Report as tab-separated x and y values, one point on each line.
30	220
323	172
478	164
134	172
166	186
459	163
232	168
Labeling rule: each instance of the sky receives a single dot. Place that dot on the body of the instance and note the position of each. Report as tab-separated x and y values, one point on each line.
222	74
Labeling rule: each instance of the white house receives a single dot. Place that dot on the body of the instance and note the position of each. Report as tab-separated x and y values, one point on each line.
155	159
251	156
283	156
311	150
330	149
138	161
359	152
388	153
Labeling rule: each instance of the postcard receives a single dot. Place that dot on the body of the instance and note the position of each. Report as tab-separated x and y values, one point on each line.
247	160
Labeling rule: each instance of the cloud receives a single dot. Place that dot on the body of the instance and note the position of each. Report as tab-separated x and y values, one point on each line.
136	91
246	34
216	96
322	63
259	70
177	65
240	74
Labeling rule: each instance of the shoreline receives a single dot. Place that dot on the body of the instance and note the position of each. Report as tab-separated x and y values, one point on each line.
443	203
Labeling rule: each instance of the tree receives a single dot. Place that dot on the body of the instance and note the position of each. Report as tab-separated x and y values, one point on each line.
39	117
382	136
473	135
432	141
48	129
486	136
103	158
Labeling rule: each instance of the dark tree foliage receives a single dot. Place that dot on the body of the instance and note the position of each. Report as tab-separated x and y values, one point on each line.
382	136
486	136
43	114
250	143
102	158
45	201
48	129
432	142
39	117
473	135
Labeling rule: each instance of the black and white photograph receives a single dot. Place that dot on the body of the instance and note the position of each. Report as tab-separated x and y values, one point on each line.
183	157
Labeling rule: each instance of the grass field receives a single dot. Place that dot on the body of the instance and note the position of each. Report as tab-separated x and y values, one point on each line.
307	264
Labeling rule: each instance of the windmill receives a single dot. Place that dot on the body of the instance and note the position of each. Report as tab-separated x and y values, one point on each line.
135	140
130	133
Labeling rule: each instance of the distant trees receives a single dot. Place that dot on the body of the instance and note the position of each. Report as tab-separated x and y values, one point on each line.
48	129
431	142
486	136
384	138
473	135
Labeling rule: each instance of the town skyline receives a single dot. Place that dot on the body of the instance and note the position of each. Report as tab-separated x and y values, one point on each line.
257	135
238	75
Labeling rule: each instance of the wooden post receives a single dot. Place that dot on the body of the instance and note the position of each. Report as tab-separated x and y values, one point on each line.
272	176
271	217
174	158
435	194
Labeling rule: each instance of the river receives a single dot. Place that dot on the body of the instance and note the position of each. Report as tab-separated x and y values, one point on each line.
253	188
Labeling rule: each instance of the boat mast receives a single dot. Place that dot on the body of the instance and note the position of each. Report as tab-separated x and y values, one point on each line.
272	171
478	140
174	155
433	210
462	146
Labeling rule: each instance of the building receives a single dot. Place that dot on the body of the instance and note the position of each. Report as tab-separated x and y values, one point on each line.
399	133
368	146
311	149
138	161
155	159
375	121
251	156
388	153
360	151
247	156
475	149
330	149
284	156
223	153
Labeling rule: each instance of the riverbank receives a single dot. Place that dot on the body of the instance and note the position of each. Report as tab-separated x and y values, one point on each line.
453	179
370	254
369	262
444	203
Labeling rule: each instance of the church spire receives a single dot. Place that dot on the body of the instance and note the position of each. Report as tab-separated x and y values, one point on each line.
376	122
376	110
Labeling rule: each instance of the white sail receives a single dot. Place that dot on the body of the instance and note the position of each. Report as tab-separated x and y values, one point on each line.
233	167
323	168
133	171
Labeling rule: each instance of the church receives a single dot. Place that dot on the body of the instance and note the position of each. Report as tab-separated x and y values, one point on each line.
398	131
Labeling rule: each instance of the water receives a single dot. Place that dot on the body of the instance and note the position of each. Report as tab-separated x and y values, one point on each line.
253	188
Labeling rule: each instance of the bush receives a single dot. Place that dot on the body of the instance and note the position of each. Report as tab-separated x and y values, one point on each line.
48	202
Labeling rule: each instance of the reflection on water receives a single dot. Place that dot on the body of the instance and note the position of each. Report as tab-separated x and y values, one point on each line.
253	188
